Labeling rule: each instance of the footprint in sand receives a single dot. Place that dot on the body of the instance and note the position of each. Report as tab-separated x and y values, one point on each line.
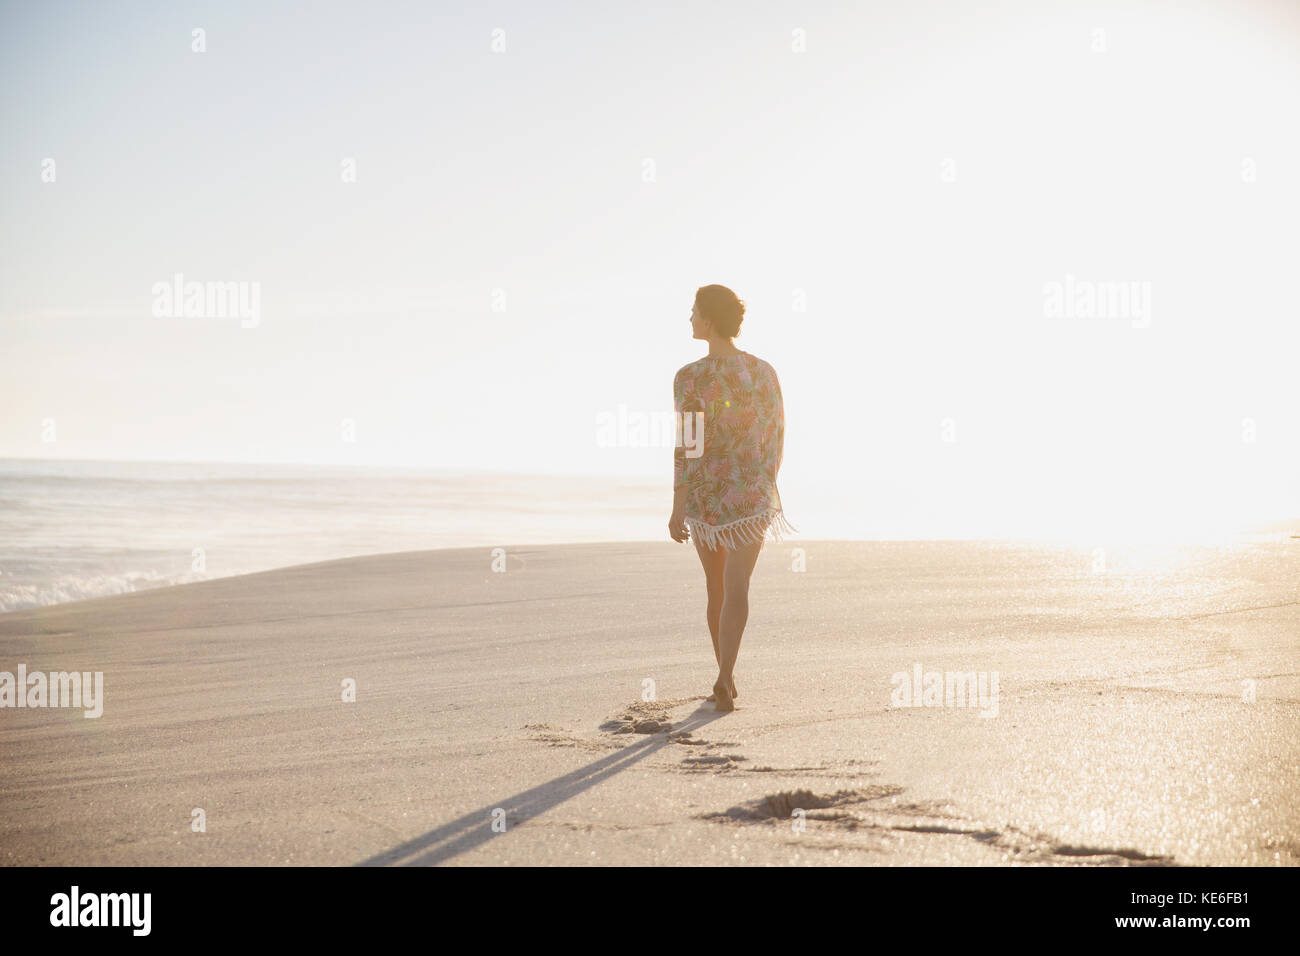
644	717
868	808
779	806
713	762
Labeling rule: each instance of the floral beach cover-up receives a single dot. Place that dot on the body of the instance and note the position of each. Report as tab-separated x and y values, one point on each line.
730	479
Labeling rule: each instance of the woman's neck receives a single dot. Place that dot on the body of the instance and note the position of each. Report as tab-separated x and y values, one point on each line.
722	347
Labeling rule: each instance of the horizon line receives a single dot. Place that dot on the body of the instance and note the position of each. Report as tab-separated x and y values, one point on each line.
469	469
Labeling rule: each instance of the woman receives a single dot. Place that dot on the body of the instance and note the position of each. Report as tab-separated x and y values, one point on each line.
724	489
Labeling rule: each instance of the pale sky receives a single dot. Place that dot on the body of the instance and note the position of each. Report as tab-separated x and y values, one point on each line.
891	188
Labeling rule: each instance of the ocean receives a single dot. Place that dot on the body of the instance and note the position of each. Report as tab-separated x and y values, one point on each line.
77	529
71	530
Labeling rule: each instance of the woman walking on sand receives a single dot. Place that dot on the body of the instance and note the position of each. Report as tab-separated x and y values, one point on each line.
732	425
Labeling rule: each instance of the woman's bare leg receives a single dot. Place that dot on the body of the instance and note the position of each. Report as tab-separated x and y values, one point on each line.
714	563
735	612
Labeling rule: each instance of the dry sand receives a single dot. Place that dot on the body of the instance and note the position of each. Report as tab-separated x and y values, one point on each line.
1123	734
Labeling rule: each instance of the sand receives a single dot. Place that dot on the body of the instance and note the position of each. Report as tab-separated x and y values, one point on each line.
1124	733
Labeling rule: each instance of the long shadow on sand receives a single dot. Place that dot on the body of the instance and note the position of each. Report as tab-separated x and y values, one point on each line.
473	829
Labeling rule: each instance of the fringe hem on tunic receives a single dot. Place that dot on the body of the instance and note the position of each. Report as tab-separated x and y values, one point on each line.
743	531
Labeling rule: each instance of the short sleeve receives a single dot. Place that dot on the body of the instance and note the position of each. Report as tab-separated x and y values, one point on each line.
681	401
774	426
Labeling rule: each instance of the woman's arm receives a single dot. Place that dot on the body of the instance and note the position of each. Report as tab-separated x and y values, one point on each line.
677	522
774	430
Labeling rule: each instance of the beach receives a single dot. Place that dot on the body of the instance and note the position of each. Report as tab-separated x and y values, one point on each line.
544	705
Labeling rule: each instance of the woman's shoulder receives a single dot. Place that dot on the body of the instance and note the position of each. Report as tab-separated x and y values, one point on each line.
706	365
761	364
692	369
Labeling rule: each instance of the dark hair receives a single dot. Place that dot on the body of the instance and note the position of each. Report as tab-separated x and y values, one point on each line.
720	306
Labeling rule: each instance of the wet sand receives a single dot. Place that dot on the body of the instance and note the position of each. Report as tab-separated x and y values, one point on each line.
1123	730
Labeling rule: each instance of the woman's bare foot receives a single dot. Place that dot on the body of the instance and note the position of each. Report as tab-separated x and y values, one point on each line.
722	698
734	693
